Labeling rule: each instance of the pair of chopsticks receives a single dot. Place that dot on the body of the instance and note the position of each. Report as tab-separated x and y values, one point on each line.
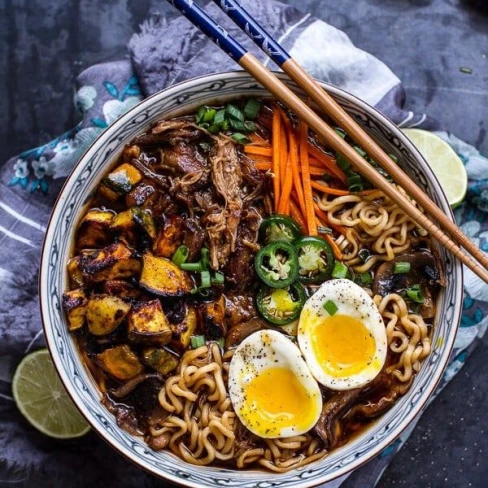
452	239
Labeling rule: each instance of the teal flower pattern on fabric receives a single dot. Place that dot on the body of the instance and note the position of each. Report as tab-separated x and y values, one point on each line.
34	169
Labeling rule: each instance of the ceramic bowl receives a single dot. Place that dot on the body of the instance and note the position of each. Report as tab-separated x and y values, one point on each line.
176	100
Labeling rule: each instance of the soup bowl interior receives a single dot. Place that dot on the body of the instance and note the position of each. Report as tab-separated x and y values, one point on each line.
75	196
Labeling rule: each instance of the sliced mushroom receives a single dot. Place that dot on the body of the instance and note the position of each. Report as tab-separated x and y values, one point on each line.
424	271
240	331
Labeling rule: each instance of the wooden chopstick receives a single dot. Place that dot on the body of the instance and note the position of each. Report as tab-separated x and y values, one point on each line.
331	108
276	87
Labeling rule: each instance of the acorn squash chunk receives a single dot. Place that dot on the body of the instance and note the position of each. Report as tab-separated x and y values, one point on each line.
123	178
162	277
120	362
110	263
105	313
94	230
160	360
148	324
183	331
74	303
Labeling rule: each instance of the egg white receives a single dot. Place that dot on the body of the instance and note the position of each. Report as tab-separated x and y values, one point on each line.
351	301
258	353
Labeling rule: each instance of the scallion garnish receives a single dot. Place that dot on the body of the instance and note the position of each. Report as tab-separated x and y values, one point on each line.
364	254
240	138
330	307
205	279
181	255
365	278
415	294
324	230
192	267
340	270
221	342
360	151
234	113
251	109
401	268
218	279
340	132
209	115
237	125
197	341
200	114
392	156
205	259
342	162
219	117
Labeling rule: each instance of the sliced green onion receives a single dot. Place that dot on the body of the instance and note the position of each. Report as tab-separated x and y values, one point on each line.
219	117
197	341
342	162
240	138
251	109
355	188
324	230
340	132
364	254
238	125
218	279
330	307
225	125
355	182
214	129
191	266
234	113
392	156
415	294
250	126
221	342
205	279
365	278
205	259
181	255
401	268
200	114
209	115
360	151
340	270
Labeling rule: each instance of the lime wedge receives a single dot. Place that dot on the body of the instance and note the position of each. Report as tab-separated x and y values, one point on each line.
445	163
42	399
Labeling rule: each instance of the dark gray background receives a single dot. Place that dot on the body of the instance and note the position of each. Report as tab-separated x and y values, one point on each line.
44	44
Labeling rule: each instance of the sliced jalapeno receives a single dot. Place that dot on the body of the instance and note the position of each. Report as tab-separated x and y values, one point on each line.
315	259
280	306
279	228
277	264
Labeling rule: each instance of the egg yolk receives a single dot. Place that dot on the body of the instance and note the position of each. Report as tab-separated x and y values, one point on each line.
274	400
343	345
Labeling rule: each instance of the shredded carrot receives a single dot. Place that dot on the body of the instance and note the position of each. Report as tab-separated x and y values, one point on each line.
284	205
335	248
276	154
259	150
325	219
328	161
307	187
283	155
257	140
263	166
296	213
327	189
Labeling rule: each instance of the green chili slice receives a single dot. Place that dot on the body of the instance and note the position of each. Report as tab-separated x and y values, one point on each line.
315	259
279	228
277	264
280	306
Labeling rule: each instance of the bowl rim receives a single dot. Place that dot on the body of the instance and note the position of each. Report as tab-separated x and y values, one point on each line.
110	132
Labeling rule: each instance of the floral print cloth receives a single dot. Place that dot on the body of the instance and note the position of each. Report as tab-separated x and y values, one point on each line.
161	55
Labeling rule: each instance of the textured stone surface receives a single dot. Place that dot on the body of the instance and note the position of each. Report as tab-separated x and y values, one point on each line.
45	44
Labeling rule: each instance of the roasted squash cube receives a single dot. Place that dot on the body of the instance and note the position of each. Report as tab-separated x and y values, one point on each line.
104	192
144	221
159	359
147	323
123	178
123	222
183	331
104	313
75	303
162	277
94	229
120	362
74	272
122	289
131	152
111	262
169	237
213	319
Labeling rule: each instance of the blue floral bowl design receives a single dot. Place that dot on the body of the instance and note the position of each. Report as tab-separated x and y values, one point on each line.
79	187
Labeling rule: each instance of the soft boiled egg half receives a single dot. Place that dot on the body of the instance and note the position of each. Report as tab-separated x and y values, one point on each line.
271	388
342	336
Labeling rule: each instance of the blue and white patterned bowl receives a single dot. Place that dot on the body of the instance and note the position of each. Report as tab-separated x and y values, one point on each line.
77	191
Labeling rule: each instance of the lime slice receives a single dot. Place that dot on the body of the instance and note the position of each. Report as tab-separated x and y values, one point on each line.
445	163
42	399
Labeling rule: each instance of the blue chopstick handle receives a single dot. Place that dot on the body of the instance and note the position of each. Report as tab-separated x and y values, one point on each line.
210	28
260	37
